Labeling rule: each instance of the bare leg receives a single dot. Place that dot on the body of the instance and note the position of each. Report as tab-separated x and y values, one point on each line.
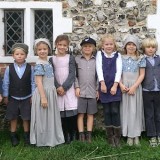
80	122
13	124
90	119
26	125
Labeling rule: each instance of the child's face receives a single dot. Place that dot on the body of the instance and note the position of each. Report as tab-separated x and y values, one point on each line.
108	46
88	49
131	48
62	47
19	55
150	51
42	51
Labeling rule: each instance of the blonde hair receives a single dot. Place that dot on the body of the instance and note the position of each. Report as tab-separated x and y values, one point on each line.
107	36
149	42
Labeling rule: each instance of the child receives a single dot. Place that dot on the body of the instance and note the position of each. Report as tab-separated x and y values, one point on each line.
133	70
151	91
46	127
86	87
18	85
109	68
64	66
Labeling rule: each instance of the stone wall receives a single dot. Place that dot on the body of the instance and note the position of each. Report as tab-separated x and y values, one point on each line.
97	17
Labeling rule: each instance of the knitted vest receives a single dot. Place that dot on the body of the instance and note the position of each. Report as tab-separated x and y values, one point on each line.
20	87
150	73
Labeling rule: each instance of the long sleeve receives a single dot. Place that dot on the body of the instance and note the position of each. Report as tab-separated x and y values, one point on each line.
55	80
1	85
71	76
33	85
118	68
6	83
99	66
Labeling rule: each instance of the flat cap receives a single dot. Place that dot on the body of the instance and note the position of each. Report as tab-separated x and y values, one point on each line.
22	46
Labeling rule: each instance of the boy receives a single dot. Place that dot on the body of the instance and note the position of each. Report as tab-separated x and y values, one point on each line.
86	87
151	91
18	85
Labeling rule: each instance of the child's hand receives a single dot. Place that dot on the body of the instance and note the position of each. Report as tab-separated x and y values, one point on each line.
124	89
5	100
77	92
1	98
97	95
44	102
113	90
132	90
103	87
61	91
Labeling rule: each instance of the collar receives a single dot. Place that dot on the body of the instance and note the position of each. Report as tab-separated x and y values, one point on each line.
92	56
111	53
132	57
23	64
151	56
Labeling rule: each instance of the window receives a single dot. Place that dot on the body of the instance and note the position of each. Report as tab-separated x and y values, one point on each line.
28	21
14	29
44	24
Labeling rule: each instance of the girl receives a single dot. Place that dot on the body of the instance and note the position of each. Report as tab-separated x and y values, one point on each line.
64	65
133	71
86	87
46	127
109	68
151	91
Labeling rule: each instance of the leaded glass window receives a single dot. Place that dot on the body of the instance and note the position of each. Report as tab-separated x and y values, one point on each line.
44	24
14	28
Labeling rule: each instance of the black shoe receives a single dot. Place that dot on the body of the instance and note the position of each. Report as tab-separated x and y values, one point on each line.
26	138
67	138
14	139
74	136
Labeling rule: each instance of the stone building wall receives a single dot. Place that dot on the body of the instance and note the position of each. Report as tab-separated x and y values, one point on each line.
97	17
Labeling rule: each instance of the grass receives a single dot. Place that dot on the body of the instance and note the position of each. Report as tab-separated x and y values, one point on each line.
97	150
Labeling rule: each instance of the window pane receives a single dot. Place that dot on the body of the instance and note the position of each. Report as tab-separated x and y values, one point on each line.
14	28
44	24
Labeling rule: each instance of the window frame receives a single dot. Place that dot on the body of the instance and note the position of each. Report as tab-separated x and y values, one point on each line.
29	7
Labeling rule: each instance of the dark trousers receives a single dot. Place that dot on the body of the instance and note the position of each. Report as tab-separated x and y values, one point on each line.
151	102
69	124
112	114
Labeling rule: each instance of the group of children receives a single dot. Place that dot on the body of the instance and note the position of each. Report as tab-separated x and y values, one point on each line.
53	96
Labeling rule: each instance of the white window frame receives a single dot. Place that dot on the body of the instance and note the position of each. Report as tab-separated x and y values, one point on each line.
60	24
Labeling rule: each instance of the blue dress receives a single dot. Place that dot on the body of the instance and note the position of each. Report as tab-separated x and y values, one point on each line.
131	108
45	128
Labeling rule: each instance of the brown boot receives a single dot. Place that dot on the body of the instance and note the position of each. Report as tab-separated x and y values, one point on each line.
81	136
110	136
117	135
88	136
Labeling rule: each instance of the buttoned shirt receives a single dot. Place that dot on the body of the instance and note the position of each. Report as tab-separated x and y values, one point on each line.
86	78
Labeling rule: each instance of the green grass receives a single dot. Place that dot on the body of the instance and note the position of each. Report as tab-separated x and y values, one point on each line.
97	150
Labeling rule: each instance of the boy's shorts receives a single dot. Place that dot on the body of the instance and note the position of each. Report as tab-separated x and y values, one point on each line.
87	105
16	108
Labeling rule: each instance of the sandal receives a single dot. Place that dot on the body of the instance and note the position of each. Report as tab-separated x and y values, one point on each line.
153	142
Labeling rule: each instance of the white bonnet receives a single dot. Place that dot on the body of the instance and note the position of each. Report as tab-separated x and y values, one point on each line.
42	40
131	38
